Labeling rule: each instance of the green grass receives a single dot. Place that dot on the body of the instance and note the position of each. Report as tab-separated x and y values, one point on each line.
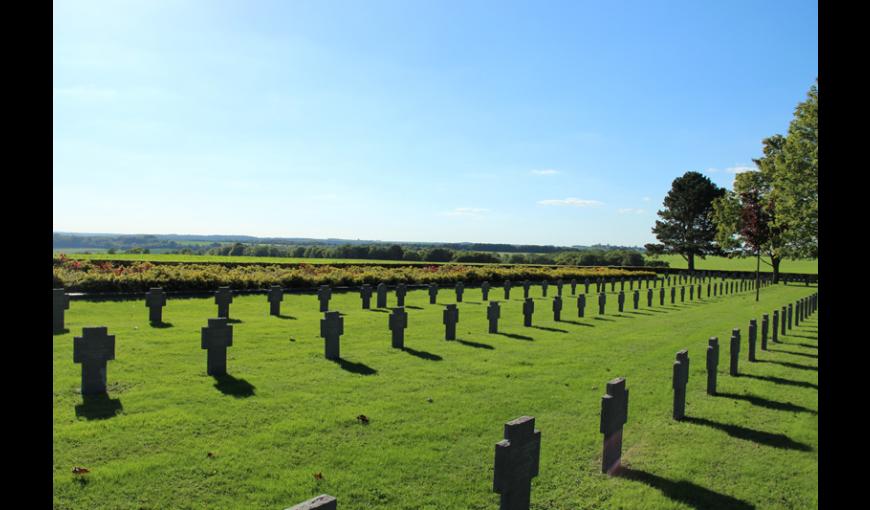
437	409
805	266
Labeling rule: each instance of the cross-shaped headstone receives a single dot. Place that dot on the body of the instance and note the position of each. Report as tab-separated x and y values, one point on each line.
712	364
381	297
484	290
517	458
680	380
155	300
614	414
708	289
765	329
621	283
586	285
323	294
528	310
636	298
433	293
493	312
322	502
451	317
60	302
507	289
735	350
216	337
223	297
557	308
275	296
401	290
790	310
620	300
365	292
397	323
331	328
782	318
775	330
649	298
544	287
673	295
682	294
559	284
753	329
581	305
93	350
691	293
602	300
699	291
662	296
613	285
526	285
460	288
573	286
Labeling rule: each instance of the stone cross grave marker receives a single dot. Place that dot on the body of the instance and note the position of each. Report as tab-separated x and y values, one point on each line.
790	309
397	324
581	305
528	310
401	291
753	329
682	294
223	297
493	312
649	298
274	297
680	380
93	350
636	298
507	289
621	283
433	293
331	329
614	414
620	300
708	289
544	285
517	459
775	330
323	294
155	300
586	285
559	284
613	284
782	318
322	502
484	290
216	338
451	317
557	308
712	364
662	296
602	300
765	329
365	293
60	302
381	298
691	292
460	288
526	285
735	350
573	286
673	295
699	292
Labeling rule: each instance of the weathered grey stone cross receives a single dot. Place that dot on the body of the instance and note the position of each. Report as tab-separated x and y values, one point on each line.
517	458
216	337
93	349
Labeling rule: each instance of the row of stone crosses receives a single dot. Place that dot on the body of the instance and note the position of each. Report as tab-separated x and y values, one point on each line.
217	336
517	456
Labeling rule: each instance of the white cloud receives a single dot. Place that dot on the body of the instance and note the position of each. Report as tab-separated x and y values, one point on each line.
467	211
629	210
574	202
547	171
739	169
646	199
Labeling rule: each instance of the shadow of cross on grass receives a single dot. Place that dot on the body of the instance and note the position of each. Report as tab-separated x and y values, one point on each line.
756	436
770	404
355	368
98	407
229	385
685	492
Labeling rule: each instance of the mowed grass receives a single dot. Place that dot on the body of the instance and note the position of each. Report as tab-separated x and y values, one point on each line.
182	439
803	266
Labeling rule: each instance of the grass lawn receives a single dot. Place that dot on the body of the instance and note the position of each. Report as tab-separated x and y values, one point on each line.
805	266
182	439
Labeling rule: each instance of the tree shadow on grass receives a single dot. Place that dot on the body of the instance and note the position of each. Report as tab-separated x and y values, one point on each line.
98	407
684	491
285	317
790	365
355	368
770	404
516	336
557	330
780	380
160	325
422	354
476	345
229	385
756	436
578	323
804	354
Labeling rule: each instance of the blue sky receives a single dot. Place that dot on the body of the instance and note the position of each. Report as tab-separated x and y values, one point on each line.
520	122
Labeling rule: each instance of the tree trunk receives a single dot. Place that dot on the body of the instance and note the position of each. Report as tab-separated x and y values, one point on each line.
774	261
757	274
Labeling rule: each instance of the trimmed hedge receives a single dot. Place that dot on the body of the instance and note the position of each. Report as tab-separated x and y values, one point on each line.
96	276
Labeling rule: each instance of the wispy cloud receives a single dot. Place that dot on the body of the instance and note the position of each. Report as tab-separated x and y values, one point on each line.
736	169
467	211
646	199
573	202
629	210
546	171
